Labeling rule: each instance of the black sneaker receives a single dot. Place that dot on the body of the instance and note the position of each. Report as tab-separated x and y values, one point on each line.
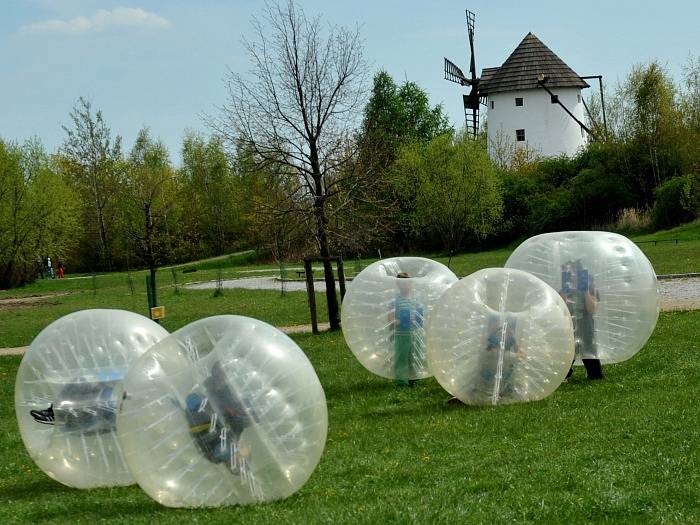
43	416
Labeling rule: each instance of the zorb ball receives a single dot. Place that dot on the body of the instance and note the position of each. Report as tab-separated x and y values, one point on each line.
608	284
384	310
227	410
68	390
500	336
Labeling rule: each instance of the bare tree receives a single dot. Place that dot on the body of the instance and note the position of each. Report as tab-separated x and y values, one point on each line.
296	111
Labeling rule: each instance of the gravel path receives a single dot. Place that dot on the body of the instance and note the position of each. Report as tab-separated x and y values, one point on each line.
260	283
679	294
674	294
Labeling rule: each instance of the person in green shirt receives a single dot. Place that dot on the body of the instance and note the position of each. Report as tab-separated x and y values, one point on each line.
406	320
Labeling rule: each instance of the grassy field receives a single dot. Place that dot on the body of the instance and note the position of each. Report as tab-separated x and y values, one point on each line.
624	450
19	325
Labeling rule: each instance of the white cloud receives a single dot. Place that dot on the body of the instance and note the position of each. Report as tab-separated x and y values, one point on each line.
103	19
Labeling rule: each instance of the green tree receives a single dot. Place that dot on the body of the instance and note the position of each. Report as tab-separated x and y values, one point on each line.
149	195
213	197
690	110
400	113
677	201
395	115
92	160
38	212
455	186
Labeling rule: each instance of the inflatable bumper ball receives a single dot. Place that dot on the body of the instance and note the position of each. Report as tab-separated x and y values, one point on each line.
227	410
384	311
68	390
500	336
608	284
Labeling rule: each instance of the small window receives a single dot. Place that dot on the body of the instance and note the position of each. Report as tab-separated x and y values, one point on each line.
555	99
578	97
492	104
520	134
518	101
582	133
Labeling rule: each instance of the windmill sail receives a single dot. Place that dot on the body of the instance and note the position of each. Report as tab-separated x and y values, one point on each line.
454	74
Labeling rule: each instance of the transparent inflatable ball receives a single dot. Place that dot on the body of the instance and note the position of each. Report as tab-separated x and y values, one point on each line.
500	336
608	284
384	311
68	390
227	410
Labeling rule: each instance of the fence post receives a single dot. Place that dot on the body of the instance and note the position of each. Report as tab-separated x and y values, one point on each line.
312	295
341	278
152	295
174	274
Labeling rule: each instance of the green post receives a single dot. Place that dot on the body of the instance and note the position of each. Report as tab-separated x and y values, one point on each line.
152	295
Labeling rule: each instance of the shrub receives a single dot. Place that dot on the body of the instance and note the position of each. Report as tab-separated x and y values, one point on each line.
632	220
677	201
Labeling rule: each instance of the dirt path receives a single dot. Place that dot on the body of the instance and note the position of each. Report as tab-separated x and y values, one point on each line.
10	303
296	329
13	351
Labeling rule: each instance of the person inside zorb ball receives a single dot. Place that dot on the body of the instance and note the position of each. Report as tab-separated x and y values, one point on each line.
384	311
609	287
227	410
500	336
68	390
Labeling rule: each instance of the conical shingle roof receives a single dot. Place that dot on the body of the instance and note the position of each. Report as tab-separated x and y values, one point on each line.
520	70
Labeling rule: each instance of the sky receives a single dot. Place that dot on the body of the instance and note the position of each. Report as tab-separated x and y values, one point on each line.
162	63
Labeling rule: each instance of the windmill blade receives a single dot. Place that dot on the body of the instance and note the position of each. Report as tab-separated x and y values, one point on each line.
454	74
470	30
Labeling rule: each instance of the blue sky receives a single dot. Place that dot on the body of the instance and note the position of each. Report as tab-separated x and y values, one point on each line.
161	63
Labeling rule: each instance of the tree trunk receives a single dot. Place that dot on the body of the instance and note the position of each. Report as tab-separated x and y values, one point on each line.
321	228
150	259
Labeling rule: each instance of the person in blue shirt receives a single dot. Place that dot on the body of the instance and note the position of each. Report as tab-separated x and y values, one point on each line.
581	298
499	358
496	363
217	417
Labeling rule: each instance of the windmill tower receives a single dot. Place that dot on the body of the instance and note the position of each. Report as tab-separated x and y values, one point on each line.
533	99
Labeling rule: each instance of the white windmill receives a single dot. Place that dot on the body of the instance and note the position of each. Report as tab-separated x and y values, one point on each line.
533	100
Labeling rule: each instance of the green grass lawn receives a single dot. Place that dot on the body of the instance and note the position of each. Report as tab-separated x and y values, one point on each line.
18	326
624	450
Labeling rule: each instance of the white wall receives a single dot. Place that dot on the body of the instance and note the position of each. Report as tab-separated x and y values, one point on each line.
549	130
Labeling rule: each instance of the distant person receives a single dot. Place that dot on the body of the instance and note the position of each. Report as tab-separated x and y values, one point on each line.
49	269
406	318
581	297
39	267
60	269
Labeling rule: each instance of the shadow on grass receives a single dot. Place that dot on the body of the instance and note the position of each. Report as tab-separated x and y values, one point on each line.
33	489
431	404
341	391
90	511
